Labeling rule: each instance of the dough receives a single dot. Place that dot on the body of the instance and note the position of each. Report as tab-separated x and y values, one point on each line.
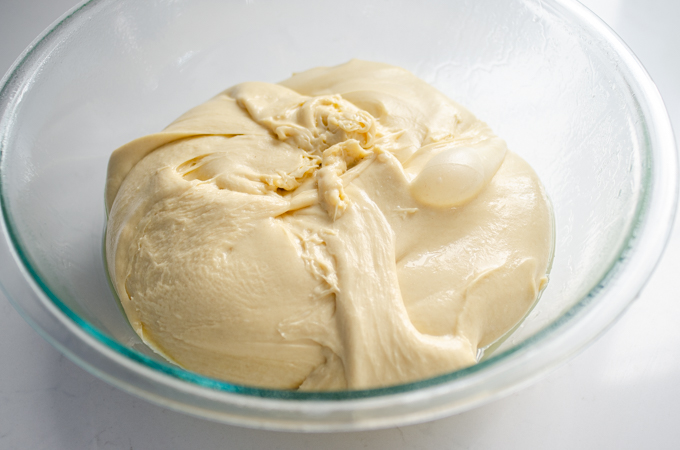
348	228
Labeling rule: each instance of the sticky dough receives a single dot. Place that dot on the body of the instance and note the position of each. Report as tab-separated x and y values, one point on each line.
348	228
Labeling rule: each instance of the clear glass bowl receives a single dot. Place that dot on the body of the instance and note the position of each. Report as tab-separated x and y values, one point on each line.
548	76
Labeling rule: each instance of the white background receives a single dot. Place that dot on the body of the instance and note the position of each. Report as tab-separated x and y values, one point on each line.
623	392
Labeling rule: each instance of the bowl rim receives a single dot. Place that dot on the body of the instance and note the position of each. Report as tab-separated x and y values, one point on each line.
638	255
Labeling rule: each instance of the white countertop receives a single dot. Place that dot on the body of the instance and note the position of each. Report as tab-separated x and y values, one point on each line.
623	392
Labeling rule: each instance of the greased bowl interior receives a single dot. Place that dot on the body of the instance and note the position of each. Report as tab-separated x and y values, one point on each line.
548	76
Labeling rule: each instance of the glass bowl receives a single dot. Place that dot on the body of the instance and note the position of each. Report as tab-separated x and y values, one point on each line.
548	76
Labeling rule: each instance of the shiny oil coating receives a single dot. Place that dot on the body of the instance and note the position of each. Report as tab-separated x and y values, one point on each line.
350	227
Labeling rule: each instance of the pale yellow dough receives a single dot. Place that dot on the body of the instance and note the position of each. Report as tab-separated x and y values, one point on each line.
348	228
